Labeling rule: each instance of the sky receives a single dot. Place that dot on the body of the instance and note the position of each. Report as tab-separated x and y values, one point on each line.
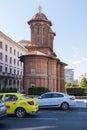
69	22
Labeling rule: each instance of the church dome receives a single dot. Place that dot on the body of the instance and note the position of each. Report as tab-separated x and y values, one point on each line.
39	16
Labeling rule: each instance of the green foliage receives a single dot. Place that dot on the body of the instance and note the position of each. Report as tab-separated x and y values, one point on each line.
83	82
8	90
67	85
76	82
37	90
76	91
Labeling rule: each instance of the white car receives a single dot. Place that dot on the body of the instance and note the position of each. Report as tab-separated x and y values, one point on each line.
56	99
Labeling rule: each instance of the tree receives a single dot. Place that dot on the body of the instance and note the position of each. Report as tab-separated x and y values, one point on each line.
83	82
76	82
67	85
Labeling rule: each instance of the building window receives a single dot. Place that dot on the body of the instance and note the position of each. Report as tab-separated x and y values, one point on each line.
6	47
38	34
14	52
0	56
14	71
10	49
21	64
10	70
18	72
10	82
6	69
6	58
32	85
18	54
17	62
10	60
0	68
0	44
14	61
21	72
32	71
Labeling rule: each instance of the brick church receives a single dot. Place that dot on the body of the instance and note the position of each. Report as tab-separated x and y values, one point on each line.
42	68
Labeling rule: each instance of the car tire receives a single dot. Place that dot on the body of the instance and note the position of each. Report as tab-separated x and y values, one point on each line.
20	112
64	106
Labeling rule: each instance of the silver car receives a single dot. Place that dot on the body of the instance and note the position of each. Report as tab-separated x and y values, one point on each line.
2	110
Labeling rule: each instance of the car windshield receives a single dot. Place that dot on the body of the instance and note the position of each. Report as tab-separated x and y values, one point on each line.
25	96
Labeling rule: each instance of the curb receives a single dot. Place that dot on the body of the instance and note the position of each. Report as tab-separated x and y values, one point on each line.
80	103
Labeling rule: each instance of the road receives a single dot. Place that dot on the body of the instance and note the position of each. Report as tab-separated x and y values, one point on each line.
51	119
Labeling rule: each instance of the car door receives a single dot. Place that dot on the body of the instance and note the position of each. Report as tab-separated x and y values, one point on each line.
44	100
11	103
56	99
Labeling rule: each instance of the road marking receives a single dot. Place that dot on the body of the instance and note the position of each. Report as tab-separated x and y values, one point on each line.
10	118
37	128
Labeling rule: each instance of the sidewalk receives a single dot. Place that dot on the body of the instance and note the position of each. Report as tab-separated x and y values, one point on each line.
81	103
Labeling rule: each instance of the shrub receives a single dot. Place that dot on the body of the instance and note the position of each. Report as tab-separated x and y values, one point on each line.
37	90
3	90
76	91
8	90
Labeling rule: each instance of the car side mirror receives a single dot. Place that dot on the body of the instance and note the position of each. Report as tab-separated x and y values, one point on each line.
39	97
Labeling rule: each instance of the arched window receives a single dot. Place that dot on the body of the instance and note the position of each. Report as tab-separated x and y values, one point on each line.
38	34
10	82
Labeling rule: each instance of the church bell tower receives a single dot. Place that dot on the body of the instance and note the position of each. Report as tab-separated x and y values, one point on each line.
42	35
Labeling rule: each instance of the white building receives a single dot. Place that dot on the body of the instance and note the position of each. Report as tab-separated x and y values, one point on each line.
11	69
69	76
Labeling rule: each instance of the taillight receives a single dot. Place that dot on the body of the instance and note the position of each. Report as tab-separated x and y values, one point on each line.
72	98
31	103
7	107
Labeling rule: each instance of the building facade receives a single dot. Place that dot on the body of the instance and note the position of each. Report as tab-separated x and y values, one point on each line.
69	76
42	68
11	69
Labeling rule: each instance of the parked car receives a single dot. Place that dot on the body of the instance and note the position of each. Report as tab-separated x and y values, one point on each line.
19	104
3	113
56	99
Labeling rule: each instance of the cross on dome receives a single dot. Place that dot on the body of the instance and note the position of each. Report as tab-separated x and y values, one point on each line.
40	9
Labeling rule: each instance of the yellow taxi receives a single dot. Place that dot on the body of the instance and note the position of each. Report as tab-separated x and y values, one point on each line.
19	104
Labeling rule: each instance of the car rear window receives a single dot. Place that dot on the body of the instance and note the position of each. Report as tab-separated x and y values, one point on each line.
10	98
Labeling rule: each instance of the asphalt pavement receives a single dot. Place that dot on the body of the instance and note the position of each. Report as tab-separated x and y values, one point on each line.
48	119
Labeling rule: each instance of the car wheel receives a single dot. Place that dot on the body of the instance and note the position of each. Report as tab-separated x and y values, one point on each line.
64	106
20	112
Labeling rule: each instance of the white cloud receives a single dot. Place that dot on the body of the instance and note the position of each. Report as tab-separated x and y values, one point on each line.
76	62
75	49
81	60
75	55
84	58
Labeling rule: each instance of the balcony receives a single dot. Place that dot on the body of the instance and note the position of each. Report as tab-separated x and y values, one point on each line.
10	75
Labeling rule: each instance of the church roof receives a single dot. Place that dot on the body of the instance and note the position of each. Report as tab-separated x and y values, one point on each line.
40	16
38	53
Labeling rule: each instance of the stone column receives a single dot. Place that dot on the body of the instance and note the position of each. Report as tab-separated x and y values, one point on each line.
7	83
